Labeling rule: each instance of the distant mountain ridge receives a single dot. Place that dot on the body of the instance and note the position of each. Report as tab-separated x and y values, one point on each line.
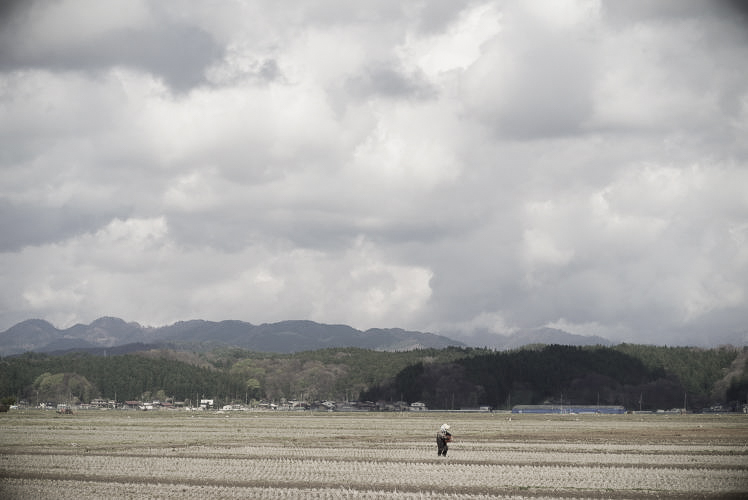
107	333
543	336
284	337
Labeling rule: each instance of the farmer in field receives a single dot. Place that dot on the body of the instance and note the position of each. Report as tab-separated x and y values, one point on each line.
442	438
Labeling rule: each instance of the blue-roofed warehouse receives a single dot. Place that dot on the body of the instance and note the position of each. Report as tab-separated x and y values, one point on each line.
576	409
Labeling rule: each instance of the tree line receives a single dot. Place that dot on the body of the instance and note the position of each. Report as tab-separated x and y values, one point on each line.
635	376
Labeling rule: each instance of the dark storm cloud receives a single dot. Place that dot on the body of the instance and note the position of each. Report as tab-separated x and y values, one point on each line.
669	10
9	9
436	15
29	225
176	52
384	80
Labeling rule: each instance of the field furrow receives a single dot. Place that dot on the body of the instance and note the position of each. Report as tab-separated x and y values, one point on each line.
137	455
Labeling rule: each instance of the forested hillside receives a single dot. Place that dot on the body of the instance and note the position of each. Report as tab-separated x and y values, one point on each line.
635	376
697	369
79	378
225	375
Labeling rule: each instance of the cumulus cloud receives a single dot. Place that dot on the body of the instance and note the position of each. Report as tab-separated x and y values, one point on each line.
455	167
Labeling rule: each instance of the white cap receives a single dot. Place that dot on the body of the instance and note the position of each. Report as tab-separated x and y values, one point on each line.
445	427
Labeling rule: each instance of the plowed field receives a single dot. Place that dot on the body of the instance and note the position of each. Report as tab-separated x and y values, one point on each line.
129	454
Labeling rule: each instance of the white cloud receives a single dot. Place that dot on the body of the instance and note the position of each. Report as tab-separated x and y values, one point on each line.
407	150
456	48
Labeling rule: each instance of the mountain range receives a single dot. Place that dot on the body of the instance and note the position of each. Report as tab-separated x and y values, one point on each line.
283	337
114	335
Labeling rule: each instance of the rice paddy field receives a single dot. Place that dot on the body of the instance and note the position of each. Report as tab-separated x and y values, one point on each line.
283	455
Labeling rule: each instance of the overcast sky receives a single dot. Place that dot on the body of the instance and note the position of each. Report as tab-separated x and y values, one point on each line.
446	166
